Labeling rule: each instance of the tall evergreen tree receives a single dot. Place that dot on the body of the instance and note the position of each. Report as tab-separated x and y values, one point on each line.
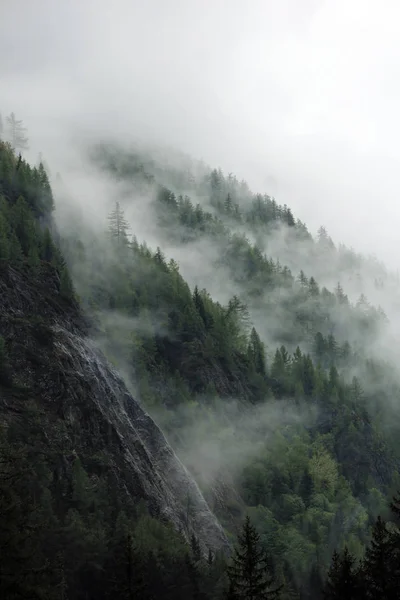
256	352
382	564
249	574
118	226
16	133
343	581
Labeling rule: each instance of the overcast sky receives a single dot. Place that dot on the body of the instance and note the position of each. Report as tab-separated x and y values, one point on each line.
300	97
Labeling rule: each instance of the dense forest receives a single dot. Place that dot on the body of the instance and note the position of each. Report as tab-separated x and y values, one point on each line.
271	394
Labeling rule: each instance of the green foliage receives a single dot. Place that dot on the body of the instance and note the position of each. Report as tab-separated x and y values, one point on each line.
313	482
64	538
378	575
26	203
343	580
249	573
191	355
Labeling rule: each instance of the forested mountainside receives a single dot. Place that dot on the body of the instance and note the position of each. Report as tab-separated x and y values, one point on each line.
93	501
267	384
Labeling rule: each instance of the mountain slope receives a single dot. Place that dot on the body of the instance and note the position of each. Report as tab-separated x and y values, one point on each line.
83	467
268	386
85	399
269	389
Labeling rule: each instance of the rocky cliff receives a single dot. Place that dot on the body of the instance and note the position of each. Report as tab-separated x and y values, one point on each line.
86	410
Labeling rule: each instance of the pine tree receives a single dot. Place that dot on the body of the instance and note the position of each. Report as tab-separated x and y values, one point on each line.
118	226
313	287
46	194
249	574
228	204
288	217
340	295
256	352
1	128
382	564
303	279
16	133
343	581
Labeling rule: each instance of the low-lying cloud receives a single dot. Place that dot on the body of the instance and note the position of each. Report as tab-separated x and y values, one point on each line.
301	99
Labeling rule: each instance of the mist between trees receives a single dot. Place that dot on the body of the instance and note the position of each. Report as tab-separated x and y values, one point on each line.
272	395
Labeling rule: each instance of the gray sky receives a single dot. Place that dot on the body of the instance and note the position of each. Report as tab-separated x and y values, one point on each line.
300	97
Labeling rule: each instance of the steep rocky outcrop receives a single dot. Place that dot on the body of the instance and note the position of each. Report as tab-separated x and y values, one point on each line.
85	406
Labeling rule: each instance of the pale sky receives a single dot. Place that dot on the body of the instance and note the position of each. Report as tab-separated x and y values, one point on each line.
299	97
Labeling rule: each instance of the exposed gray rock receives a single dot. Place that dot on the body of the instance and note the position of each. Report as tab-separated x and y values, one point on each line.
55	363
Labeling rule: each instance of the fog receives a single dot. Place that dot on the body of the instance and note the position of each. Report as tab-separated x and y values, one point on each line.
300	99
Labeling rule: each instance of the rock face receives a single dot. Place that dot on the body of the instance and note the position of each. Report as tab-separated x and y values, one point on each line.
86	407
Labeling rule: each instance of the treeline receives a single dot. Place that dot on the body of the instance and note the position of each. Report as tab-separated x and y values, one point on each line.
302	307
66	528
378	574
65	534
315	485
188	355
26	205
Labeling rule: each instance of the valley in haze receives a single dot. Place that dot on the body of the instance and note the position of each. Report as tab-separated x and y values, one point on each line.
199	301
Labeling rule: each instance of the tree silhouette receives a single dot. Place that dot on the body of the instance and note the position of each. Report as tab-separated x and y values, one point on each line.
249	575
16	133
382	566
118	226
343	581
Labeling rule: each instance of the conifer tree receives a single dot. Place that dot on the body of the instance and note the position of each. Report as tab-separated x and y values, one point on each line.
343	580
228	204
118	226
249	574
46	193
256	352
16	133
313	287
382	565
